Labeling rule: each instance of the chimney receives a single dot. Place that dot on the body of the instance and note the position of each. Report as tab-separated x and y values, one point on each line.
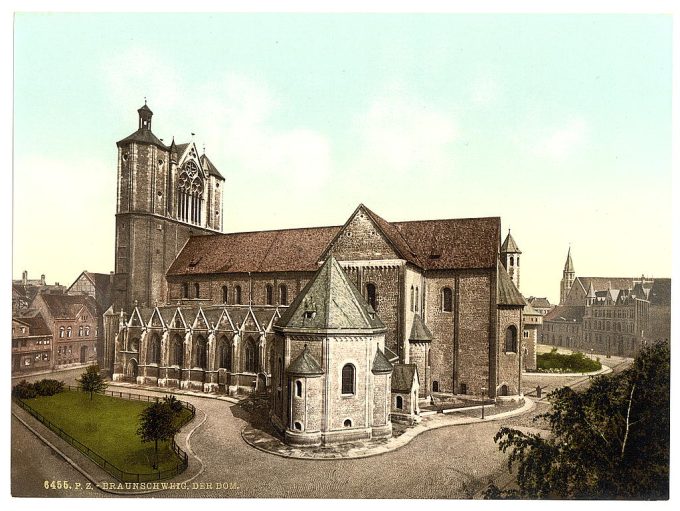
111	278
42	279
24	278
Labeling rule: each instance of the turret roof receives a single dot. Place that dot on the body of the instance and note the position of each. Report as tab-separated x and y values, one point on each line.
419	330
380	363
509	245
305	365
508	294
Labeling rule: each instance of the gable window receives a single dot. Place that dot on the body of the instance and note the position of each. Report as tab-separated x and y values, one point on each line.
225	294
237	295
511	339
348	372
283	294
269	294
447	299
371	295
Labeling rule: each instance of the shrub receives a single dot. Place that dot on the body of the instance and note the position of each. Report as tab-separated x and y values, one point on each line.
174	403
576	362
47	387
24	390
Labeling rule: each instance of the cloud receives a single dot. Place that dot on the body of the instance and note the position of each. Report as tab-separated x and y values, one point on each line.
401	134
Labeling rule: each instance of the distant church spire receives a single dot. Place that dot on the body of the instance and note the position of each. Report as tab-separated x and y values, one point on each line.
568	277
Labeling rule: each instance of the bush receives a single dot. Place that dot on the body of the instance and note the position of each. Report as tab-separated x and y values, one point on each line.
24	390
576	362
174	403
47	387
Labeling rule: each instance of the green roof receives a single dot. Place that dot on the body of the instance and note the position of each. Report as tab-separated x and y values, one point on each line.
330	301
305	365
380	363
419	331
508	294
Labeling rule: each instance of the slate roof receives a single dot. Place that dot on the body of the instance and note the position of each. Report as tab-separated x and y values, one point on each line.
210	168
330	301
402	377
429	244
37	324
305	365
380	363
569	264
508	294
67	306
419	330
144	136
604	283
530	311
660	293
541	302
566	313
509	244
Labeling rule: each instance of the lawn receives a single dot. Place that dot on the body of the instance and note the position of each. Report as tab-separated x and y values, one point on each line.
108	426
558	362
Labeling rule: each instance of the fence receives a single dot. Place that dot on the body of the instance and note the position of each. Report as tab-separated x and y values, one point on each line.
121	475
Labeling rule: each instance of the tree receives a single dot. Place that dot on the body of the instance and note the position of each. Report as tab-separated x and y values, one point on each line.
92	381
157	422
610	441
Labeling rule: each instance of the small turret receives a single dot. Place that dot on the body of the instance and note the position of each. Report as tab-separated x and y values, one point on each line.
145	115
510	253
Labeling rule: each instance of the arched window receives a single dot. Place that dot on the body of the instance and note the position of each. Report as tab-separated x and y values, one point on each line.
447	299
225	294
201	356
68	332
348	379
413	301
518	261
298	388
185	290
269	294
417	298
504	390
370	295
87	331
237	295
190	194
251	356
400	402
435	386
283	294
225	354
80	331
61	332
154	350
197	290
347	423
512	261
177	351
511	339
133	344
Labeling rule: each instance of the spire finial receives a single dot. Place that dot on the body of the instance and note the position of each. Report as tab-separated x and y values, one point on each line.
144	100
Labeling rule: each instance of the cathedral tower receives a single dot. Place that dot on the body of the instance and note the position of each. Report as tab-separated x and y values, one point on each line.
510	253
165	195
568	276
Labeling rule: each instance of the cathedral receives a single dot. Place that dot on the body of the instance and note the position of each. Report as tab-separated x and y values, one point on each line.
435	302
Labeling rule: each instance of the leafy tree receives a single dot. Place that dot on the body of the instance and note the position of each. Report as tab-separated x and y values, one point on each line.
24	390
157	422
174	403
92	381
610	441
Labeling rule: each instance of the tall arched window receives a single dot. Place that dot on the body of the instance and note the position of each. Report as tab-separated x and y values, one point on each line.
298	388
190	194
87	330
237	295
177	351
201	356
269	294
80	331
225	354
511	339
400	402
417	298
413	301
68	332
447	299
283	294
251	356
225	294
185	290
512	261
197	290
370	295
348	379
61	331
154	350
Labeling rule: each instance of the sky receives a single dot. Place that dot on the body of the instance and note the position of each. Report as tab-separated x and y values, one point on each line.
559	124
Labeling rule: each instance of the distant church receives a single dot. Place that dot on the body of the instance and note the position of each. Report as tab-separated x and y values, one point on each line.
197	309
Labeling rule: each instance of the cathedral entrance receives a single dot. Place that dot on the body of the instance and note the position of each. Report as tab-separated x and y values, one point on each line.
131	370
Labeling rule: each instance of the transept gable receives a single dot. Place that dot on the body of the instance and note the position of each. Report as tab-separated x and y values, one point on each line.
250	323
362	237
178	320
200	321
156	320
136	319
189	153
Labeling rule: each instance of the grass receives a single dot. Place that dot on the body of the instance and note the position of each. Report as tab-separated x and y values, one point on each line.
575	362
108	426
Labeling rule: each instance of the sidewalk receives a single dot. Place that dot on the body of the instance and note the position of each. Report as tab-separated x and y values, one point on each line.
264	439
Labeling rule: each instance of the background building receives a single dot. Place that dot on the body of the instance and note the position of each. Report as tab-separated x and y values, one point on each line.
31	344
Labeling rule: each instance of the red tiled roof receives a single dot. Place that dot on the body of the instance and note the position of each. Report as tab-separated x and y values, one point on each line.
428	244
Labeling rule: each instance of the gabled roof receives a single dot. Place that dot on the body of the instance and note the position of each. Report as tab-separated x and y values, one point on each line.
67	306
330	301
566	313
530	311
210	168
509	245
508	294
541	302
102	284
36	324
403	376
419	330
429	244
380	363
305	365
604	283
